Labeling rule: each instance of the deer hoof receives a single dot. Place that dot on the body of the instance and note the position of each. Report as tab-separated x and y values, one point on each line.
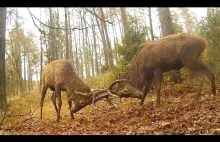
141	103
72	118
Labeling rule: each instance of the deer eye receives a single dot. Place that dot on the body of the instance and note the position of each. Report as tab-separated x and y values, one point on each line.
81	102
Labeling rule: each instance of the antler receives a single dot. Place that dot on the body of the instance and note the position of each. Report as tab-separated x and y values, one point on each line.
119	80
99	96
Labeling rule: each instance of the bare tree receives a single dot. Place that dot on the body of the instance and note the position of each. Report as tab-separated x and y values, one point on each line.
41	48
70	38
103	40
95	48
24	57
3	100
76	52
187	19
17	54
124	19
151	25
67	35
52	37
110	57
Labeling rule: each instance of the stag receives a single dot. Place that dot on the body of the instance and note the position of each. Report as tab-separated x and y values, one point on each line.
172	52
59	76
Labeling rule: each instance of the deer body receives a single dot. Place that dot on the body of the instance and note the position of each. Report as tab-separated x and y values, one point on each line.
169	53
59	76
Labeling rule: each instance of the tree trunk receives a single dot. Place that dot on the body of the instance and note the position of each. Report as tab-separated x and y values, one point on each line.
37	75
80	54
120	28
18	58
3	100
52	39
70	39
41	49
110	57
59	47
28	72
187	21
91	53
151	25
86	51
167	29
67	34
124	19
116	42
105	50
165	21
25	86
76	53
95	49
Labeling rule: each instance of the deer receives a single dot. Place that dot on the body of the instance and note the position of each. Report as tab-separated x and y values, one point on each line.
171	52
59	76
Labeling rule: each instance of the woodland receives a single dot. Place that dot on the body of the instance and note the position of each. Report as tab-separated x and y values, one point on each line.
101	43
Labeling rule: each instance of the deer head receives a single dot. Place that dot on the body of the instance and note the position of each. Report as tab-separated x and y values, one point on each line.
84	99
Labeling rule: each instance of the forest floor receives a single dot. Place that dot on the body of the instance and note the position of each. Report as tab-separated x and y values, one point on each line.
178	115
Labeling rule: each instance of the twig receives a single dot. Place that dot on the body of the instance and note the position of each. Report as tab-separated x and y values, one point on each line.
97	16
9	13
17	115
41	31
29	117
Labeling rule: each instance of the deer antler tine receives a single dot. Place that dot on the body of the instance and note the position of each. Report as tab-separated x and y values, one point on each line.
93	102
93	90
119	80
117	94
97	96
110	93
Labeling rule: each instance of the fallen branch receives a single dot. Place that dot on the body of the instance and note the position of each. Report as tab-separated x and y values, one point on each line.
31	117
10	115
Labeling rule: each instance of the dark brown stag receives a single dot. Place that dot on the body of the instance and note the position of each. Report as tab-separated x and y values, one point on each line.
169	53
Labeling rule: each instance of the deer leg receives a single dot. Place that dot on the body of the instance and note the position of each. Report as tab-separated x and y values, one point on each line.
58	96
200	78
211	78
53	98
158	77
146	90
43	93
70	108
199	90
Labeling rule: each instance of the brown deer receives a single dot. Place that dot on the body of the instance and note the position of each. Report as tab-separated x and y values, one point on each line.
59	76
169	53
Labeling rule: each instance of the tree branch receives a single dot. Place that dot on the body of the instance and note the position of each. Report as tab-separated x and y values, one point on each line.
31	117
10	12
32	17
75	28
98	16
